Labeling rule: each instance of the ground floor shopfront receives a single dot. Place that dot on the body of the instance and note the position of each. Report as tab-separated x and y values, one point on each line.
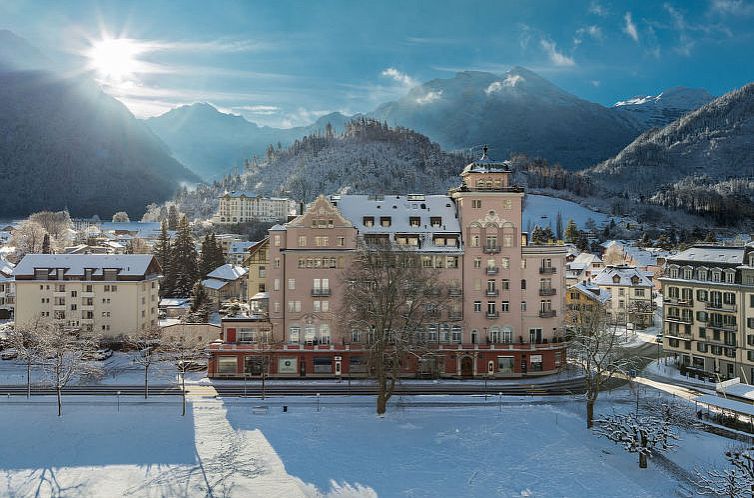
330	361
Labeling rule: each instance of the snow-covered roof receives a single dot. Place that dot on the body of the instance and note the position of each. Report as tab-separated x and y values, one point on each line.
252	195
6	267
625	275
260	295
75	264
586	259
400	209
227	272
214	284
170	302
486	165
239	247
592	291
709	254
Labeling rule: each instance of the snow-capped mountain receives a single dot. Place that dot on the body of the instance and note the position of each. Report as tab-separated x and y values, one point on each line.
702	162
516	112
656	111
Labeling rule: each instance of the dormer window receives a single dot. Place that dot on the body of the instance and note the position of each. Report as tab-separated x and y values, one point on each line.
715	276
368	221
616	279
414	221
730	277
688	273
385	221
435	221
634	280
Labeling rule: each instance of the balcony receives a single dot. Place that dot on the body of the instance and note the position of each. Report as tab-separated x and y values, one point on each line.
493	314
678	302
547	313
490	249
678	319
453	292
547	270
455	315
546	292
731	308
320	292
491	293
492	270
723	326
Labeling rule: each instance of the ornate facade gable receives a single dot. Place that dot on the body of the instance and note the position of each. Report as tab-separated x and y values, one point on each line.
491	220
320	209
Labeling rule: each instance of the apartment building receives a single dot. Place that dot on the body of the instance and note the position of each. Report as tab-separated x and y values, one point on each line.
225	283
241	207
631	295
583	299
109	295
709	310
507	300
7	290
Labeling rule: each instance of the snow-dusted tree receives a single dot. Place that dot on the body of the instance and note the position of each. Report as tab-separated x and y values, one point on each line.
736	481
173	217
594	346
571	232
390	298
184	354
120	217
63	349
56	223
26	339
641	312
137	246
200	305
146	344
640	434
183	269
28	239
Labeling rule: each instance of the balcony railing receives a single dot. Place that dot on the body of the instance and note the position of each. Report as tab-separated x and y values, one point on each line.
490	249
493	314
491	293
321	292
679	319
720	307
678	302
455	292
723	326
547	314
547	270
546	292
455	315
492	270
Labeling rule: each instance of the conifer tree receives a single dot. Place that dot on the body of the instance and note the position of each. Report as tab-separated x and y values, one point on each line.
183	265
173	219
218	256
46	246
559	226
571	231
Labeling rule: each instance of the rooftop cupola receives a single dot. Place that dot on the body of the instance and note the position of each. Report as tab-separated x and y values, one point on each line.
487	174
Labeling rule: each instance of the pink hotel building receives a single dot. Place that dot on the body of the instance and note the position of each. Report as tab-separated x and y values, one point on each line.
506	317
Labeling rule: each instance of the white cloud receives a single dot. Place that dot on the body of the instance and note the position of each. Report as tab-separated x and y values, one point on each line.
630	28
510	81
594	32
597	9
264	110
301	117
429	97
400	77
595	83
557	58
732	7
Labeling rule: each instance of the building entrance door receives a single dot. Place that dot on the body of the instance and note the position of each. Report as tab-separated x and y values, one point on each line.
467	367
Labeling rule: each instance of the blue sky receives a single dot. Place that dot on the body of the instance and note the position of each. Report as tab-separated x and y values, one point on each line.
284	63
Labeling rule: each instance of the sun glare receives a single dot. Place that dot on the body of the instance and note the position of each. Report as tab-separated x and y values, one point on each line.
114	58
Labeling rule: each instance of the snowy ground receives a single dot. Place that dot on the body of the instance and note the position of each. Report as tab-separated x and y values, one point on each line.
429	447
542	210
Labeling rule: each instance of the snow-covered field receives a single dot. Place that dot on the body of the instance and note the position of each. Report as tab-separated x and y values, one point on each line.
429	447
543	210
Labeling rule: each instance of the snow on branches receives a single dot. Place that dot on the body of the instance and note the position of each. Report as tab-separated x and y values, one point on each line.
640	434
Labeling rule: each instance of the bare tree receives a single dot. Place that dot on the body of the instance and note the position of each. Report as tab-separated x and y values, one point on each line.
595	348
390	298
186	356
28	238
736	481
146	344
26	339
63	350
641	312
638	434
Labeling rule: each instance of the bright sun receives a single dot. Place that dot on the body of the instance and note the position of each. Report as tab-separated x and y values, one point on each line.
114	58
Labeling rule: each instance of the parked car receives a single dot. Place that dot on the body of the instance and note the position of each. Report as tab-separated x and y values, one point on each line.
9	354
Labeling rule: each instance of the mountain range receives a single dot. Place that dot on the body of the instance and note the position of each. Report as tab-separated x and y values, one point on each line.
64	144
518	112
211	142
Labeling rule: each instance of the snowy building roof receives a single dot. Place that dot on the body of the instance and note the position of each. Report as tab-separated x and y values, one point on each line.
214	283
74	264
252	195
585	259
227	272
401	209
170	302
621	276
709	255
239	247
486	165
592	291
6	267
